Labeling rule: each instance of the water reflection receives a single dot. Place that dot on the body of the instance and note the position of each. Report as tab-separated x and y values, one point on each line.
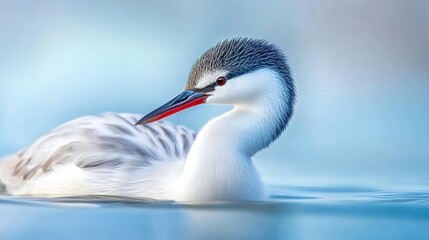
293	213
239	221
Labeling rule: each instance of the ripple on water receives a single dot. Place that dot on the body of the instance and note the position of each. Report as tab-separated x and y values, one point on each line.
293	212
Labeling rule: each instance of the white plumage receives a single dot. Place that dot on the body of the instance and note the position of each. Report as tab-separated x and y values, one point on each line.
104	155
109	155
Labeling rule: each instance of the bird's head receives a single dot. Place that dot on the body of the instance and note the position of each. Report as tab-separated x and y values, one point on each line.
235	71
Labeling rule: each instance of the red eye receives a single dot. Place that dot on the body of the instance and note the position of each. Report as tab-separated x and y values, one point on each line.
221	81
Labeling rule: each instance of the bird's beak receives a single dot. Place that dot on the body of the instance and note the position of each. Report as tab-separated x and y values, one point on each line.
184	100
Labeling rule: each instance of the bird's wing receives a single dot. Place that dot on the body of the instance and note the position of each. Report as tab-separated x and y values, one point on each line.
98	142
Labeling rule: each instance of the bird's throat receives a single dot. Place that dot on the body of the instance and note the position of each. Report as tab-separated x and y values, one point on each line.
219	164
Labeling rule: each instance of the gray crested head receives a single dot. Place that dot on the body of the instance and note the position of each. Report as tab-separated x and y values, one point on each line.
239	56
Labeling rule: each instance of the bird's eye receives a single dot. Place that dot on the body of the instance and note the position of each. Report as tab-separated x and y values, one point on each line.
221	81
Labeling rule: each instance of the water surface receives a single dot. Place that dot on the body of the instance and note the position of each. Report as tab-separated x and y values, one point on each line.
293	212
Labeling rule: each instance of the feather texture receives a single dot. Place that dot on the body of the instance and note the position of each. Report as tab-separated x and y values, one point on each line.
104	154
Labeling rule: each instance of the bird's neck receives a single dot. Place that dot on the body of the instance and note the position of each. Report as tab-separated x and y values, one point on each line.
219	164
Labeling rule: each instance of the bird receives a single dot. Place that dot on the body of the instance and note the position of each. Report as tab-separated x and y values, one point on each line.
130	155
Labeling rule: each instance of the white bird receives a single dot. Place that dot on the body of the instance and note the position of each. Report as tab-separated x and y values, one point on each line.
118	154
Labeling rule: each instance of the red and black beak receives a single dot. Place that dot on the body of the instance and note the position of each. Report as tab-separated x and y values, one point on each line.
184	100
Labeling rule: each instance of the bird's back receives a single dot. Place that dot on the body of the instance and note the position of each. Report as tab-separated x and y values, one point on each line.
103	155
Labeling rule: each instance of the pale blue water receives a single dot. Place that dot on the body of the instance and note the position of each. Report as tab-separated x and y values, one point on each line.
292	213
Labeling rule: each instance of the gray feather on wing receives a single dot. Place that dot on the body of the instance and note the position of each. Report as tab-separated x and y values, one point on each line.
99	142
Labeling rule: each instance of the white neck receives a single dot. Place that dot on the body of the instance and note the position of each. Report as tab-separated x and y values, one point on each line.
219	164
